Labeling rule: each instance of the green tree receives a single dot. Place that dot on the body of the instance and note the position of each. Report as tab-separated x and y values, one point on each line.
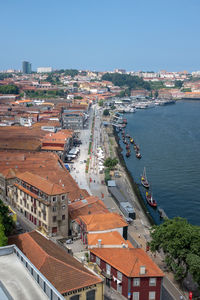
3	238
106	112
111	162
125	80
178	84
180	242
7	220
9	89
100	103
156	94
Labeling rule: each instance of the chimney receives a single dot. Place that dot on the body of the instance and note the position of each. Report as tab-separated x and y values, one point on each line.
142	270
99	243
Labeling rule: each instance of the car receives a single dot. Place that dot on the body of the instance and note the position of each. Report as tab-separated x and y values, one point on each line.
18	226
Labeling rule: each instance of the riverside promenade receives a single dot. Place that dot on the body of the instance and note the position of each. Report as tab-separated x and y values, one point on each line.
138	232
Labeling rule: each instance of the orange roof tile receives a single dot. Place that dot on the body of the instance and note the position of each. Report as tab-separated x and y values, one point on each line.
50	259
136	257
110	239
42	184
89	205
103	221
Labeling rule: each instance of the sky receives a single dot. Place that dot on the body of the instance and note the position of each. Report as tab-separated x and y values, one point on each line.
101	35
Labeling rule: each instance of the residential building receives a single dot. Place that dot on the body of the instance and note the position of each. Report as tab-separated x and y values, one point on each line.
86	206
43	203
73	120
72	280
101	223
59	142
44	70
20	279
45	164
26	67
130	271
111	239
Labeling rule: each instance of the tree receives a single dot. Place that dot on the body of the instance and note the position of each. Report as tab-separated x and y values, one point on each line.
100	103
156	94
180	242
3	238
178	84
9	89
111	162
7	220
128	81
106	112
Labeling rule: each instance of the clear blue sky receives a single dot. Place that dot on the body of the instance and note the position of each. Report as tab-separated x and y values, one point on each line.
101	34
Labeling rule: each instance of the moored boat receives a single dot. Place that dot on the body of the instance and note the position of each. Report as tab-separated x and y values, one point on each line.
152	202
138	155
144	180
128	153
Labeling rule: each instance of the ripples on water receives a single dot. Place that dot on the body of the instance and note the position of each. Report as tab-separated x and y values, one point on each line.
169	140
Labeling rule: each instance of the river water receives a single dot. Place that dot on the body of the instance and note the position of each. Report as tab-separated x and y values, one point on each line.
169	140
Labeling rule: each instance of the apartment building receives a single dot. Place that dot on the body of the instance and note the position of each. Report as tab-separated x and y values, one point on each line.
43	203
130	271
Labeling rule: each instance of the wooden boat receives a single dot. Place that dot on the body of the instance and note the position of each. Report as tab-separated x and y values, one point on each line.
128	153
152	202
144	180
138	155
127	146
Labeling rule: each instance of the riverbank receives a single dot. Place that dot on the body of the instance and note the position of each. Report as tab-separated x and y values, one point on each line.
133	184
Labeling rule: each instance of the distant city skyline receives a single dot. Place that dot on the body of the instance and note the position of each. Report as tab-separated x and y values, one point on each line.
101	35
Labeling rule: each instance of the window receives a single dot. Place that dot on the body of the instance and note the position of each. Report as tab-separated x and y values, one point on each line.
76	297
152	295
63	217
54	218
98	261
136	295
90	295
54	208
152	281
63	206
136	282
54	199
39	214
108	269
119	275
44	217
63	197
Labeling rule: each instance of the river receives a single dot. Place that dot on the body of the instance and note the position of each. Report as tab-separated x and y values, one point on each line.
169	140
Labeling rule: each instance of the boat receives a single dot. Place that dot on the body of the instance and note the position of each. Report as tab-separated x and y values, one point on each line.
144	180
131	140
127	146
138	155
149	197
128	153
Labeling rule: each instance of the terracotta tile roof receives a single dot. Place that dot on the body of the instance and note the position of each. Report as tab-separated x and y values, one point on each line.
52	148
45	164
105	221
128	261
89	205
42	184
110	239
60	268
